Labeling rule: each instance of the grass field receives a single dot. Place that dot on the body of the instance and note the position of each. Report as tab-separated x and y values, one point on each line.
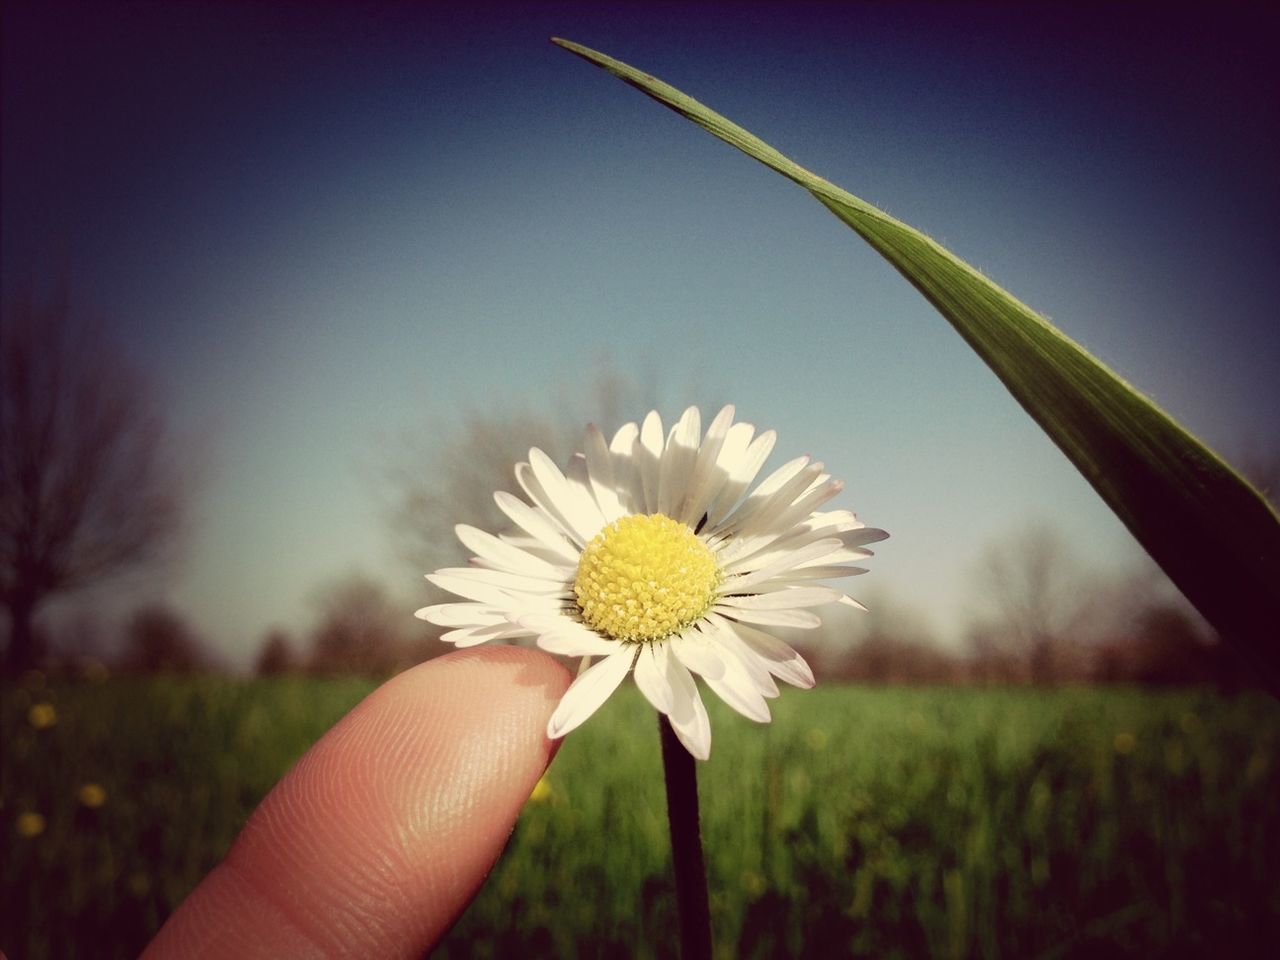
872	822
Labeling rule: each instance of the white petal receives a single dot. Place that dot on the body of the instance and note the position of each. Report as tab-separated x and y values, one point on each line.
841	515
503	555
780	477
604	487
648	458
809	484
579	479
764	493
778	657
844	555
775	519
856	538
532	488
462	614
755	573
688	715
737	688
791	599
697	653
556	586
572	644
678	460
818	527
570	637
733	452
827	523
626	469
577	476
651	676
623	438
738	655
535	548
537	525
474	590
743	473
589	691
772	497
738	692
777	618
571	501
824	488
471	636
824	572
705	481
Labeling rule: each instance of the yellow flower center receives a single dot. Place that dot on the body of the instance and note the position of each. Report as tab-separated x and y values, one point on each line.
644	578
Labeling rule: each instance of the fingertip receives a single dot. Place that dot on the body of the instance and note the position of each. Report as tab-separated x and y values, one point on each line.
379	837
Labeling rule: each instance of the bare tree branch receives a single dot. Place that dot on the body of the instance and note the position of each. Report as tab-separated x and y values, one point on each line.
1035	592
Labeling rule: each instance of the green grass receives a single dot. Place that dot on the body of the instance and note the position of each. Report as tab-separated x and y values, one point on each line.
876	822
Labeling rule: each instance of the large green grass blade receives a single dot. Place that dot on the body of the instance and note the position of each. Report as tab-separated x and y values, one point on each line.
1214	535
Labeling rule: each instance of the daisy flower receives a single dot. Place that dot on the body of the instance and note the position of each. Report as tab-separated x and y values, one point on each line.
652	552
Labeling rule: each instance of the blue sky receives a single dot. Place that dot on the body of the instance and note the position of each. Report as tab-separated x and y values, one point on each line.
323	226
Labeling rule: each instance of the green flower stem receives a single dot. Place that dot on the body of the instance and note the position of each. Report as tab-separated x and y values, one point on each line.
686	846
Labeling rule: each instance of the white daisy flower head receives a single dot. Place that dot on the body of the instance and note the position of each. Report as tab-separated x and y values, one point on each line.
652	552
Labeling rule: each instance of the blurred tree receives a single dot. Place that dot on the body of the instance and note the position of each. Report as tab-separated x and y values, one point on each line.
359	630
276	657
445	475
991	661
442	481
159	640
1153	635
1172	646
87	491
1035	594
1143	630
1169	643
895	647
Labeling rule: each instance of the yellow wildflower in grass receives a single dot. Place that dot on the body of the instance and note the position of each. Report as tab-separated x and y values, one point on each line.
92	795
42	715
1125	742
541	791
30	825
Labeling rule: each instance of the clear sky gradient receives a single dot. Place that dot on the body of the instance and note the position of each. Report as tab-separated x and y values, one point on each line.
322	226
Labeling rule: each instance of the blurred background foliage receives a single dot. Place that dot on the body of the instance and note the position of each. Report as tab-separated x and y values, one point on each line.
878	822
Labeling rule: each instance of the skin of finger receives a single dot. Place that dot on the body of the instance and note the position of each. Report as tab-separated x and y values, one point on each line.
384	831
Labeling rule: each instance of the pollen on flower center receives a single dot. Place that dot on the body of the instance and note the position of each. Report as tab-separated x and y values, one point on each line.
644	578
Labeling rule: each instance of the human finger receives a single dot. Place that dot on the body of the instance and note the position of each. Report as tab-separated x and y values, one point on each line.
384	831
